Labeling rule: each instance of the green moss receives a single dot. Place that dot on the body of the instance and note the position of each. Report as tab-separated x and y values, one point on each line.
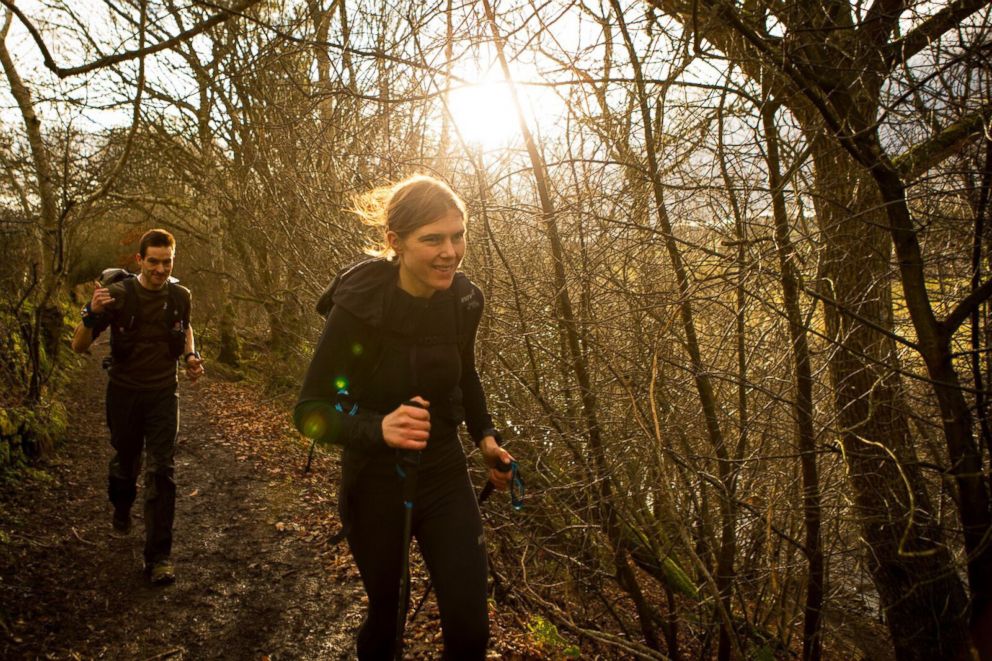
27	434
763	653
51	430
38	475
546	636
7	426
677	579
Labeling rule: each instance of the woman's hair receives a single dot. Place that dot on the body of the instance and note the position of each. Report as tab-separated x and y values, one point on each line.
404	207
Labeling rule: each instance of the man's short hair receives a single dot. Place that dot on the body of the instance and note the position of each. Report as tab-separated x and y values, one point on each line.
156	238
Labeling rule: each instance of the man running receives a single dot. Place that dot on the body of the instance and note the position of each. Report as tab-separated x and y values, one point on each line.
150	334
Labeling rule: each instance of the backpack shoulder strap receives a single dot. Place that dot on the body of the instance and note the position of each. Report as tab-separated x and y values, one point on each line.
131	308
178	309
177	305
468	304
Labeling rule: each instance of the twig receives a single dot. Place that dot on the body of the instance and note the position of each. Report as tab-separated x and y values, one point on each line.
166	654
76	534
110	60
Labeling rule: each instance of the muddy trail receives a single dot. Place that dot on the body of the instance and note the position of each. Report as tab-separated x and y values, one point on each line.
257	576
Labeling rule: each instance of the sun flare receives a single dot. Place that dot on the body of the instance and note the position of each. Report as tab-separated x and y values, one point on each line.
486	116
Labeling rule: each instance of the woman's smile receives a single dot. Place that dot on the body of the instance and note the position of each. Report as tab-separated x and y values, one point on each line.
430	255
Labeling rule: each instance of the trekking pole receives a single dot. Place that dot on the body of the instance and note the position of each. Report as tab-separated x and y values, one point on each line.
313	446
407	465
516	485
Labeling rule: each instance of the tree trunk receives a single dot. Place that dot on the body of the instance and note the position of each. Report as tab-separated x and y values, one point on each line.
803	409
924	602
935	347
230	345
47	229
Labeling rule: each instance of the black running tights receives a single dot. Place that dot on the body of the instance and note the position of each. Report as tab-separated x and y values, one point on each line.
448	530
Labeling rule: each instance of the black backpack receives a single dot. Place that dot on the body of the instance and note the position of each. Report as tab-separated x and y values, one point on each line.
464	295
465	301
128	319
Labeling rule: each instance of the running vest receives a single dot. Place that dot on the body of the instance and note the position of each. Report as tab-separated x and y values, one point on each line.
124	329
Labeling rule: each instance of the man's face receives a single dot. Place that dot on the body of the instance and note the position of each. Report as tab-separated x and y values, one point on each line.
156	266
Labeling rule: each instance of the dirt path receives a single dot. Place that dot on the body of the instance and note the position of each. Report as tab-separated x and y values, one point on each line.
257	577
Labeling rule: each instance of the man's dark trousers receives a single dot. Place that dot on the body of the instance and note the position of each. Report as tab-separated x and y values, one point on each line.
149	419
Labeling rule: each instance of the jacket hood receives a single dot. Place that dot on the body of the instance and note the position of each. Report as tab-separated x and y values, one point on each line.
366	288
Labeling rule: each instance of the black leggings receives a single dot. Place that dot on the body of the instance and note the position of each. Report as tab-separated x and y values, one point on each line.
448	529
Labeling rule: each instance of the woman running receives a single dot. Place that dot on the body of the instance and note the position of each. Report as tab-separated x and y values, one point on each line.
392	378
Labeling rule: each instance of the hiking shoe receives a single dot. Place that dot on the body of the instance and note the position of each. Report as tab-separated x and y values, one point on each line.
121	524
161	572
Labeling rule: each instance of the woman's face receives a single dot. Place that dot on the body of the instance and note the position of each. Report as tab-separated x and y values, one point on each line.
430	254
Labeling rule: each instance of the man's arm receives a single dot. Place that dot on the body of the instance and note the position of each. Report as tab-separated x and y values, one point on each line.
93	317
191	359
190	342
82	338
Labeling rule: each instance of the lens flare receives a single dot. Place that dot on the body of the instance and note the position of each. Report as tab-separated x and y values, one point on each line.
315	425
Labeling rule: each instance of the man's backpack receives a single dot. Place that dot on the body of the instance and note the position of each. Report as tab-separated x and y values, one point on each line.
128	318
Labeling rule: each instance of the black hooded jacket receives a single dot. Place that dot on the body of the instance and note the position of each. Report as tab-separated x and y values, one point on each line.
379	348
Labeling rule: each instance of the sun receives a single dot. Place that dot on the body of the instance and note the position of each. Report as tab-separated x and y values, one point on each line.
485	114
